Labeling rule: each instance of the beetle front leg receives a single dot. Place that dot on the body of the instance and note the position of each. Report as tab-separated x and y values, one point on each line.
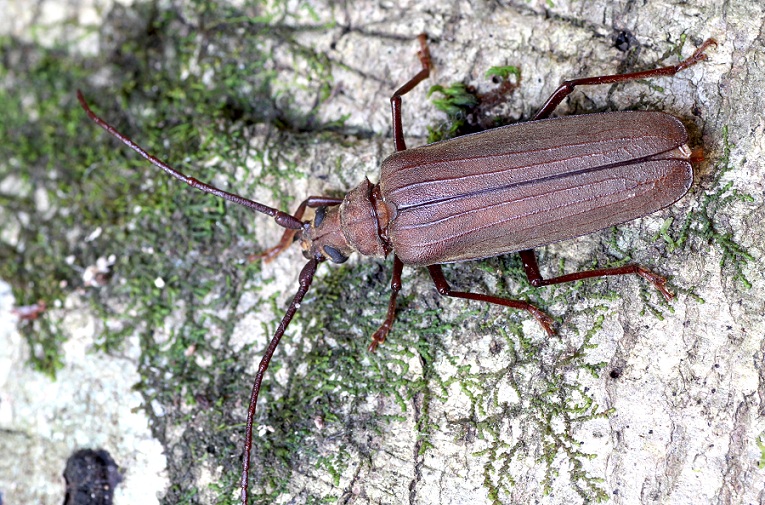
289	234
443	288
535	278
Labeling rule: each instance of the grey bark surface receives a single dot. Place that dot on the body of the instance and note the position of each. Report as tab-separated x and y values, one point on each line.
685	394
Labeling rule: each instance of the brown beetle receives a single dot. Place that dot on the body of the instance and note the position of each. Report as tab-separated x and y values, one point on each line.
481	195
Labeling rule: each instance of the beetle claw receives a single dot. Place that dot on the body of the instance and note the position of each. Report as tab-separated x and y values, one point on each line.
542	318
658	281
378	337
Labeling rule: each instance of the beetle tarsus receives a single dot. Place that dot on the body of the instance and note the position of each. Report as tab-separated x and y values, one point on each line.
424	52
271	253
378	338
657	280
543	319
697	56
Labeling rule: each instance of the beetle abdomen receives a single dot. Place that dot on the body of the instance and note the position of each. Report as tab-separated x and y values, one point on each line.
532	184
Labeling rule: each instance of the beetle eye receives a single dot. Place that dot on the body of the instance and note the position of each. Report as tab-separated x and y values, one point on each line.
334	254
319	217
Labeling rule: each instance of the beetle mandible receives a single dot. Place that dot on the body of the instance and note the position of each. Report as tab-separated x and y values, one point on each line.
504	190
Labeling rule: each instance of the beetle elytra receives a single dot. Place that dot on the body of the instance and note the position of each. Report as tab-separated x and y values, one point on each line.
505	190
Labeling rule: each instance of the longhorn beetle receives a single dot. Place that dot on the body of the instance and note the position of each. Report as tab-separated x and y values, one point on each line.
504	190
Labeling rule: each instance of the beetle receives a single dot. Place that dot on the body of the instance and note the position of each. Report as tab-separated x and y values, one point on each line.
509	189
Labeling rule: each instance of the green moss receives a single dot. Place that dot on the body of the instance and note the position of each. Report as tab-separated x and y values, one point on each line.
158	61
38	140
333	377
549	403
761	446
466	108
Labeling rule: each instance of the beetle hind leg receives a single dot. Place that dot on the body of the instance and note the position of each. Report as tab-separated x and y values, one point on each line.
567	87
443	288
535	278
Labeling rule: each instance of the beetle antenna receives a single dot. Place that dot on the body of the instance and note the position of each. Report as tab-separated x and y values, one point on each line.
305	279
282	218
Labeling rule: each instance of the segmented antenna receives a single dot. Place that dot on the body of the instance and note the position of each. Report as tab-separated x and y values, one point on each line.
282	218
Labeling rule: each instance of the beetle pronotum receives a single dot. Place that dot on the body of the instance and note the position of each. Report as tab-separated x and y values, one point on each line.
505	190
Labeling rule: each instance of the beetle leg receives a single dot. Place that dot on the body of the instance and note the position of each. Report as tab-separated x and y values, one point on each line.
289	235
443	288
305	279
535	278
567	87
395	286
395	100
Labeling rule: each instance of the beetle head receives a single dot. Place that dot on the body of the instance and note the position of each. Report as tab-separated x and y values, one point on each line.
324	238
353	226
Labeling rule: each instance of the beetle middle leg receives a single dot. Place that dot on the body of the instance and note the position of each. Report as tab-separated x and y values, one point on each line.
398	135
395	286
443	288
395	100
